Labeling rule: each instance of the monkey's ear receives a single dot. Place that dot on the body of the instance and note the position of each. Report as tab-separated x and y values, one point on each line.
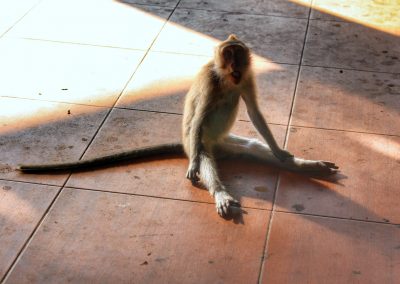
232	37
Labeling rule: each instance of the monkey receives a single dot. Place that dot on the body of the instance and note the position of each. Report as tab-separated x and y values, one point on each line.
210	110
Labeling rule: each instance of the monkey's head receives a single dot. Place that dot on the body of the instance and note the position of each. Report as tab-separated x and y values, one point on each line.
232	59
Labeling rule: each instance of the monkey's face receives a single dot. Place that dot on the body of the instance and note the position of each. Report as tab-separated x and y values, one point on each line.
233	58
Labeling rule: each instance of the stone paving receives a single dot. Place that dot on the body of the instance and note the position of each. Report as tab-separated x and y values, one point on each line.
81	79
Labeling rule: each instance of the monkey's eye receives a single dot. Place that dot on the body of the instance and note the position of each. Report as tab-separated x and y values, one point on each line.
236	74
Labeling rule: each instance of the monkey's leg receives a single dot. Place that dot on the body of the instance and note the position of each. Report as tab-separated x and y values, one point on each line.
238	146
210	178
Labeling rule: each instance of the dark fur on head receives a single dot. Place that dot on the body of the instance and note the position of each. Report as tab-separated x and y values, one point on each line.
232	59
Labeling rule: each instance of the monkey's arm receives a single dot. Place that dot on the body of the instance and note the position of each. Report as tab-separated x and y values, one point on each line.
260	124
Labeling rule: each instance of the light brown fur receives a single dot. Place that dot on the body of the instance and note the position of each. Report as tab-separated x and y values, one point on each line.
210	111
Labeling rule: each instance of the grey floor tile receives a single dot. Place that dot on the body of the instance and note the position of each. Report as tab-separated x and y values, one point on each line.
162	3
43	132
274	7
197	32
350	45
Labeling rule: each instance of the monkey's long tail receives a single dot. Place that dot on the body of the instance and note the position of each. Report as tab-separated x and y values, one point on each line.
159	150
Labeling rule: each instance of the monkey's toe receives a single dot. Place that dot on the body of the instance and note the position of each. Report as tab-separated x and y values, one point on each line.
223	203
192	176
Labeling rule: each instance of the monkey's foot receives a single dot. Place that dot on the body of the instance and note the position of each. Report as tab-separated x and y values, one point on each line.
223	202
316	167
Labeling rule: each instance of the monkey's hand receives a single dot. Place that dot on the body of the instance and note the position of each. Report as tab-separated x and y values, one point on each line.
193	171
282	155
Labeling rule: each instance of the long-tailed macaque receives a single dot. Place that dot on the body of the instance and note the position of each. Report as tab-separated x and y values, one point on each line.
210	110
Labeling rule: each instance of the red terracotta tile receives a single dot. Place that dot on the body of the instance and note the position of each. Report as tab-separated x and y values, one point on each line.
309	249
43	132
367	186
350	100
105	237
252	183
21	208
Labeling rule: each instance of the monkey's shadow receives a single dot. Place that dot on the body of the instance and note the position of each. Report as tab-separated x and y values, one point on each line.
261	187
257	184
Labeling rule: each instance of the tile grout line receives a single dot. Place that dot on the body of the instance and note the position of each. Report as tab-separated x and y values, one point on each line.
267	233
198	55
76	43
183	53
338	218
344	130
241	120
269	229
241	13
34	231
350	69
147	51
30	237
126	84
207	202
20	19
180	114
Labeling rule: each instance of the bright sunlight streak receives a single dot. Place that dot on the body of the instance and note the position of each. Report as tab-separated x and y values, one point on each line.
81	74
381	144
383	15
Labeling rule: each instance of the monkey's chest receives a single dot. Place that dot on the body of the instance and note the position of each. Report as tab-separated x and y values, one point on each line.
221	117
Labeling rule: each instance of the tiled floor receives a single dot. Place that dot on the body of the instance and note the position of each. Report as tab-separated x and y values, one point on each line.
85	78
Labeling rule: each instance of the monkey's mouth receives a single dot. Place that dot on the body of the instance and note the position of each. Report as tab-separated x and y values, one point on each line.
236	75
